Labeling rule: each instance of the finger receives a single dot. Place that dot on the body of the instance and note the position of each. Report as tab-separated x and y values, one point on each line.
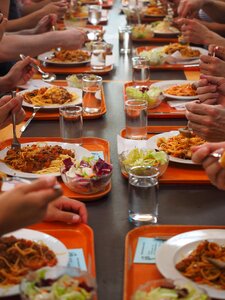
74	206
42	183
199	154
44	197
220	179
206	89
208	97
214	79
212	168
202	109
67	217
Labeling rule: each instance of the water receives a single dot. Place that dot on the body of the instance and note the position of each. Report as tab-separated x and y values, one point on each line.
92	99
98	58
143	200
125	42
71	126
141	73
94	16
136	123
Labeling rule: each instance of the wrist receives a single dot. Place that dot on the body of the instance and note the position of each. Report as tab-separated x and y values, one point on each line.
6	83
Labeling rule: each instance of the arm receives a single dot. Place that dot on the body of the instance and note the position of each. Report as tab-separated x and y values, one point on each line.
33	6
216	27
4	7
12	45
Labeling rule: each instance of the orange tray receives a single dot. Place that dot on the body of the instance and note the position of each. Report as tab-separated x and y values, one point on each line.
91	144
175	67
156	40
177	173
76	70
163	110
137	274
72	236
53	114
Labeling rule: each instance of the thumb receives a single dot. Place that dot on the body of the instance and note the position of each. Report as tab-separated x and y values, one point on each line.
67	217
42	183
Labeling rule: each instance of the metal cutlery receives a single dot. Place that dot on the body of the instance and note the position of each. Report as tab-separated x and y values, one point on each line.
48	77
36	109
217	263
15	142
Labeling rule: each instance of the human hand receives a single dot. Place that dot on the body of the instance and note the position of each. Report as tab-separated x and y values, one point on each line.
3	23
211	65
214	170
66	210
194	32
9	105
27	203
45	24
20	73
188	8
218	51
58	8
207	121
72	38
211	90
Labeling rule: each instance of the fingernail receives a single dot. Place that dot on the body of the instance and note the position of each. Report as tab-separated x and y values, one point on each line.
75	218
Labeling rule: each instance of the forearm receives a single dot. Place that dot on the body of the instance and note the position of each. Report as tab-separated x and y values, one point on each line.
12	45
213	38
216	27
26	22
4	7
215	9
5	84
34	6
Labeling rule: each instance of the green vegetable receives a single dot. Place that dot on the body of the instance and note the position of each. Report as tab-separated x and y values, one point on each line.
152	96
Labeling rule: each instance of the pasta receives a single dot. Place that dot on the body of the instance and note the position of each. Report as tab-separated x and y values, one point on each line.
37	159
198	268
49	96
181	90
19	256
183	49
155	11
179	145
70	56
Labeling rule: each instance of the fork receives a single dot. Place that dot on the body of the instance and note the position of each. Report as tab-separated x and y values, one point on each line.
15	142
36	109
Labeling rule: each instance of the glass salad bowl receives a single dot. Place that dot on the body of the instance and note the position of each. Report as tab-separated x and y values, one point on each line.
143	157
167	289
58	283
87	176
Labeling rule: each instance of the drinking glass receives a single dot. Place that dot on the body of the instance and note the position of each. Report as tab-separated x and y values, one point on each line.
125	41
141	70
92	93
71	123
136	119
98	56
143	195
94	14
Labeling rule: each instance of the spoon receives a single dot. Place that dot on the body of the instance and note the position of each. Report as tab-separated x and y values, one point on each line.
48	77
187	132
217	263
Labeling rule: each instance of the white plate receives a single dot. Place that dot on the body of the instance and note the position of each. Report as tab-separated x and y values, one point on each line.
174	31
54	106
79	153
55	245
180	246
186	60
44	57
163	85
152	142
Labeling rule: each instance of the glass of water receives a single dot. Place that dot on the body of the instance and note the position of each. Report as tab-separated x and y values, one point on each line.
136	119
143	195
92	93
71	123
94	14
141	70
98	55
125	41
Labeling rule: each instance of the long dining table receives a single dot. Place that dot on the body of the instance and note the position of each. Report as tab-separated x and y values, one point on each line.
179	204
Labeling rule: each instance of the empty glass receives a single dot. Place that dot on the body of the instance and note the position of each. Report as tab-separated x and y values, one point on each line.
71	123
94	14
92	93
143	195
136	119
141	70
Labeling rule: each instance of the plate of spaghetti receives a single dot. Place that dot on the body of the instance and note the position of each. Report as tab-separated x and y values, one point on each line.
186	256
154	11
51	97
177	89
37	159
176	145
27	250
66	57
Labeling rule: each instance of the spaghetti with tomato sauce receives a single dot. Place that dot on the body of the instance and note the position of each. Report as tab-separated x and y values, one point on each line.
37	159
19	256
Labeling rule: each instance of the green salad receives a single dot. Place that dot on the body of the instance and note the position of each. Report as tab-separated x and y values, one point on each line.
65	287
153	95
184	292
143	157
